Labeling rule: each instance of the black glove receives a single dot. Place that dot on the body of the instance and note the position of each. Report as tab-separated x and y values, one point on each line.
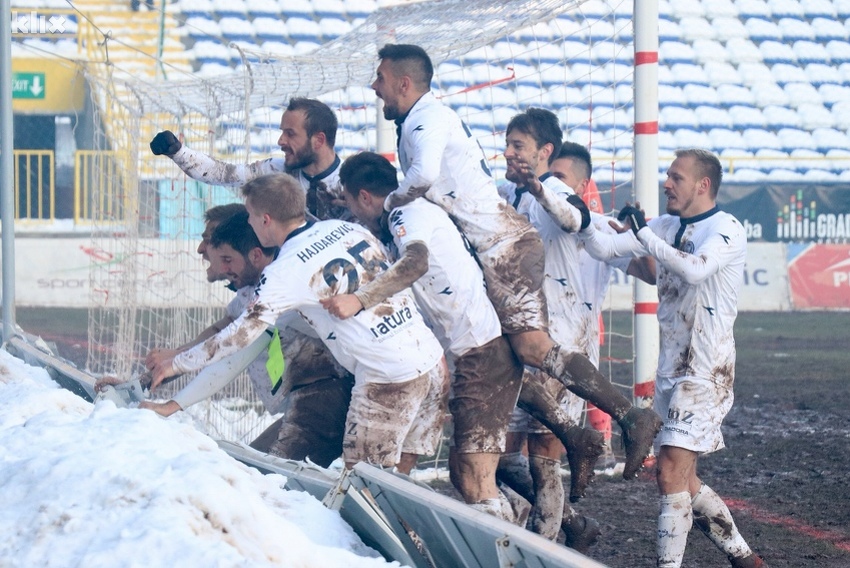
579	204
165	143
636	218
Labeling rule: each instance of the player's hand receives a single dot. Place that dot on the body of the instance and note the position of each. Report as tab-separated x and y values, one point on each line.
165	143
157	356
343	306
634	217
160	370
328	197
104	382
162	408
525	176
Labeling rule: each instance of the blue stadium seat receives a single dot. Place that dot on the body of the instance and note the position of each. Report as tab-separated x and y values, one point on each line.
271	29
763	139
760	30
333	27
668	30
670	52
726	139
801	93
813	115
796	30
236	29
753	9
818	9
786	9
303	29
728	28
672	118
833	95
296	8
686	8
262	8
721	73
710	116
828	29
701	95
360	8
201	27
195	8
720	8
785	73
329	8
839	51
820	74
743	50
774	51
697	27
745	117
690	138
231	8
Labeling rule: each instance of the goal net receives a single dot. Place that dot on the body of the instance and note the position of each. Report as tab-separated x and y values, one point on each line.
492	61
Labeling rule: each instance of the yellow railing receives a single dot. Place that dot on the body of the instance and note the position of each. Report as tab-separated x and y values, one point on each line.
35	185
97	183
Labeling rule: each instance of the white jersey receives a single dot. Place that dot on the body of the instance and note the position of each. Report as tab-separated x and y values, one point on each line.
437	153
306	358
384	344
574	283
700	270
452	293
204	168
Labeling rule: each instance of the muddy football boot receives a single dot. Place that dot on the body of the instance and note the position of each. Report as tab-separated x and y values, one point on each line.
751	561
640	426
584	446
581	532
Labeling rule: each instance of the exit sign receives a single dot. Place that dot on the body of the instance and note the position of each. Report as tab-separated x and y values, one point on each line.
28	85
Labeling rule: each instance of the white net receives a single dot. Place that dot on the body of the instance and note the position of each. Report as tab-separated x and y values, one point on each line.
492	61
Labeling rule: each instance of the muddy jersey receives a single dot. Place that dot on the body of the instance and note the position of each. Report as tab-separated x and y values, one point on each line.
451	294
441	160
574	283
306	358
384	344
700	270
204	168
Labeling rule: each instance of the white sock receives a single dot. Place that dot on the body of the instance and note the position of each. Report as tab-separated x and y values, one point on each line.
674	523
712	517
549	496
490	506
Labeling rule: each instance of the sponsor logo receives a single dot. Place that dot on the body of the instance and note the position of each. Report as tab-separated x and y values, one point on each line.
391	323
800	220
35	23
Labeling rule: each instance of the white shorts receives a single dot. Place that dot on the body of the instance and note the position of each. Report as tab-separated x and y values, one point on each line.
386	419
692	410
521	421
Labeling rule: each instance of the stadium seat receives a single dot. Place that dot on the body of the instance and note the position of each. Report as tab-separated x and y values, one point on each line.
753	9
206	51
329	8
720	8
842	10
828	29
760	138
743	50
713	117
777	52
689	74
818	9
728	28
201	27
262	8
673	118
666	142
685	8
668	30
795	138
236	29
709	50
303	47
810	52
360	8
701	95
670	52
785	73
760	30
296	8
283	49
769	94
721	73
796	30
195	8
841	114
231	8
731	95
332	27
270	29
755	74
801	93
690	138
671	95
609	51
828	139
697	27
813	115
839	51
725	139
833	94
820	74
786	9
778	117
302	29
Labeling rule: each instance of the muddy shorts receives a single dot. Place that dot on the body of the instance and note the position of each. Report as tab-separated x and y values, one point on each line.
485	387
386	419
572	405
513	270
692	410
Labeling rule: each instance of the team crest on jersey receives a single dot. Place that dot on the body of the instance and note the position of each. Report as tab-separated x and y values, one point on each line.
397	223
688	247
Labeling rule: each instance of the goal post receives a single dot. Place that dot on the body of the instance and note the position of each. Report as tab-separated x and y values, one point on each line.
492	60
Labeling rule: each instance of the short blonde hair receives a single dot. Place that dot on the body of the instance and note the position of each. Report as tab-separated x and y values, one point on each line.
278	195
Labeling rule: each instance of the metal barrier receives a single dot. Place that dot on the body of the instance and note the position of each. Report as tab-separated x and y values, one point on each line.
35	185
96	184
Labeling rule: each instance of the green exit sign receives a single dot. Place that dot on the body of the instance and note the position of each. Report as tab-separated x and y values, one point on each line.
28	85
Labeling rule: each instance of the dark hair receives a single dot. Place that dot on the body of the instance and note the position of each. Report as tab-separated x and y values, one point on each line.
540	124
279	195
236	232
708	165
579	155
219	213
318	117
410	60
369	171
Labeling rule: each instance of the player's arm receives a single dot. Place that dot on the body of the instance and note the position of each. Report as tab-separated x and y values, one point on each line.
201	167
643	268
412	265
155	356
429	144
566	209
605	246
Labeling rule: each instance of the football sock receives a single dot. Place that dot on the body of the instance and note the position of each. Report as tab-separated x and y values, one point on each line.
712	517
674	523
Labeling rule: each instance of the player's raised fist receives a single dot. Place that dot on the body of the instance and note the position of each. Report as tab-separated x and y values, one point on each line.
165	143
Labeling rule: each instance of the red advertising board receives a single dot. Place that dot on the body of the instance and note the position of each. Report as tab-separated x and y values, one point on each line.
820	277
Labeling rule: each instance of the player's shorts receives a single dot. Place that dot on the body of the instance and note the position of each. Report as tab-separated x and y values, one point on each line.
572	405
313	422
485	388
513	269
386	419
692	410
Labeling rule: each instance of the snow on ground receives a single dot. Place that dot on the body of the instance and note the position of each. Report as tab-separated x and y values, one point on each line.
86	485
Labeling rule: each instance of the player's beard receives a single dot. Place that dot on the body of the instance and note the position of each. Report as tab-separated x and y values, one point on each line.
300	158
